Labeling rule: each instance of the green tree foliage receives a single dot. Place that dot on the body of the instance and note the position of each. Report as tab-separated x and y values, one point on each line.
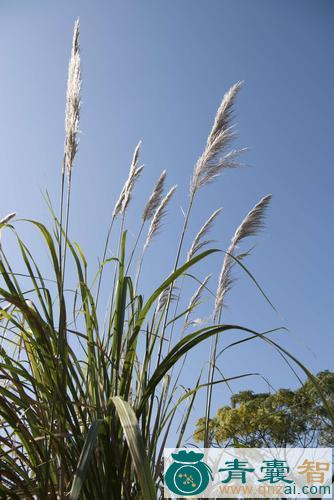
285	418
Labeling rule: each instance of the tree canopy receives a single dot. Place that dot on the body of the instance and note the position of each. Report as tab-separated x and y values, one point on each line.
284	418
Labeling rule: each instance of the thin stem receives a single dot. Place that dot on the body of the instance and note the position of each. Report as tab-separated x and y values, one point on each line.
114	280
135	246
62	194
185	225
103	258
66	226
60	243
62	335
211	374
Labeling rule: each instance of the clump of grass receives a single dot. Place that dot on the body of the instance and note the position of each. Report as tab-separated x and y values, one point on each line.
87	398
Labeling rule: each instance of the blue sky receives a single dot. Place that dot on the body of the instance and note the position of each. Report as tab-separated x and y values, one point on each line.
156	71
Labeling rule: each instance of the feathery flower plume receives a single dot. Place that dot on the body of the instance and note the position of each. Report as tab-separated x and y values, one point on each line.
155	198
158	216
8	218
72	103
198	242
252	223
134	173
214	159
195	299
164	296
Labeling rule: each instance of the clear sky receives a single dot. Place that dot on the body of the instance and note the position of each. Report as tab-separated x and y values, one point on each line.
156	71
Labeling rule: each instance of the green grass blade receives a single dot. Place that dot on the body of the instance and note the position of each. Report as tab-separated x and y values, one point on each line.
136	446
85	457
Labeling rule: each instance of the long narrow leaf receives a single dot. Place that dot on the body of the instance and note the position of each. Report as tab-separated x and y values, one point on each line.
136	446
84	460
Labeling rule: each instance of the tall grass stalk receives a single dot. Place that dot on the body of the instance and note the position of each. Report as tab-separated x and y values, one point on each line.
253	222
88	403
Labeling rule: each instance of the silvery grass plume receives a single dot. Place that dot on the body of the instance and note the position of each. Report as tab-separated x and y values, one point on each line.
253	222
164	296
155	198
72	103
134	173
199	242
158	217
7	218
214	159
195	300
